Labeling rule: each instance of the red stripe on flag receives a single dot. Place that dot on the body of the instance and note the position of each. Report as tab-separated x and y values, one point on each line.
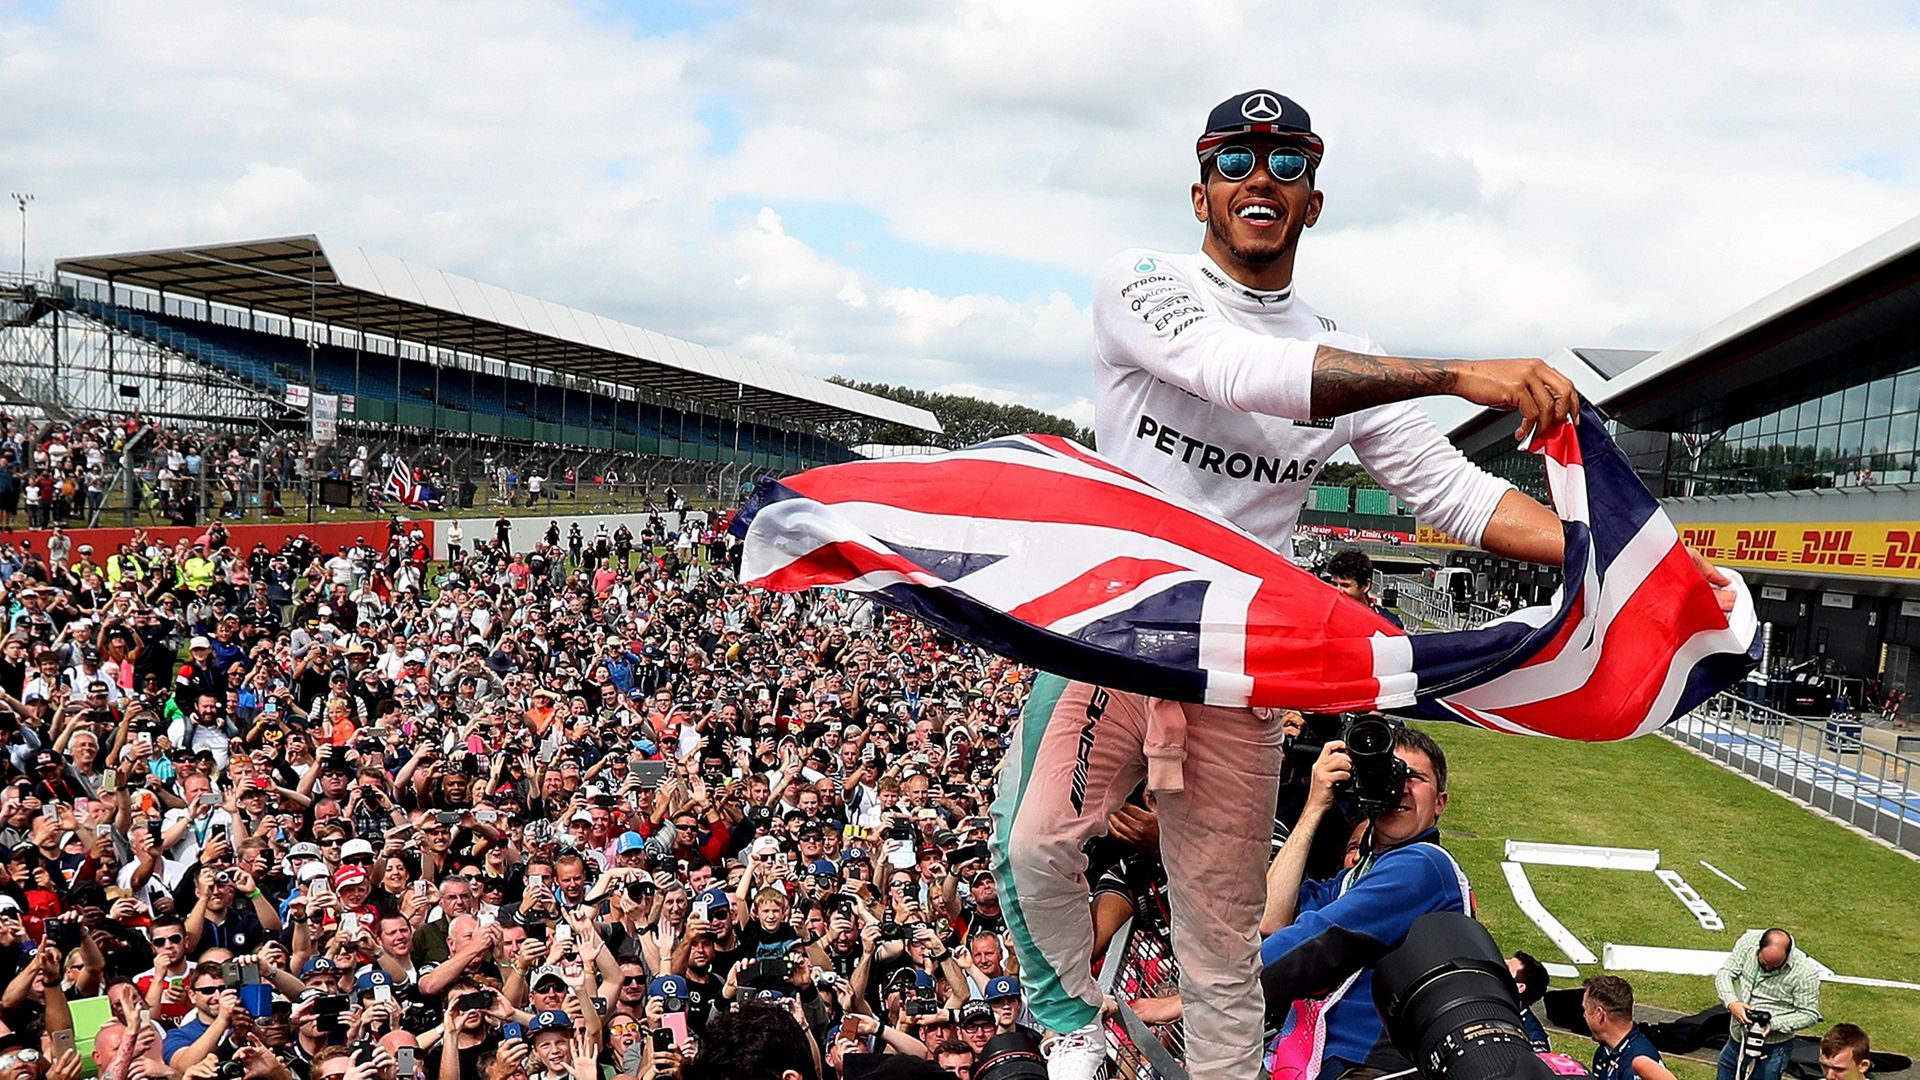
1299	626
1573	623
999	491
1562	444
834	565
1115	577
1670	606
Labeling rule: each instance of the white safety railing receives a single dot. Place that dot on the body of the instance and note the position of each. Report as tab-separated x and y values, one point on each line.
1828	764
1434	608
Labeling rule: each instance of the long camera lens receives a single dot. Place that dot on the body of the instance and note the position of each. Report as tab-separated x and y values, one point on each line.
1369	736
1012	1056
1379	776
1449	1003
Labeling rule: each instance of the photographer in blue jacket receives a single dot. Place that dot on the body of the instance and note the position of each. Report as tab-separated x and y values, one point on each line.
1321	938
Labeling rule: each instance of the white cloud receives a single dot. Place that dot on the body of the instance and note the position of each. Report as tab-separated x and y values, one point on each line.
1501	178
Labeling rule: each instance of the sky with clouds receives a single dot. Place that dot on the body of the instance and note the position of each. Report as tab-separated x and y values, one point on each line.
918	193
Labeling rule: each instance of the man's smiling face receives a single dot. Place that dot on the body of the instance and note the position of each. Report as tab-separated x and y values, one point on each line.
1256	220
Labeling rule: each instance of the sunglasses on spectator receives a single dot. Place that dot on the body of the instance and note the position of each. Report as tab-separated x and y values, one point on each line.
169	939
622	1029
1284	163
210	988
19	1057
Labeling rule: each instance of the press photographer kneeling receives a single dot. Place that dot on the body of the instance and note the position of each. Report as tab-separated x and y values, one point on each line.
1322	938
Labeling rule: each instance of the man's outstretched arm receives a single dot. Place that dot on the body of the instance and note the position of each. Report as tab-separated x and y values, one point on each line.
1346	382
1149	316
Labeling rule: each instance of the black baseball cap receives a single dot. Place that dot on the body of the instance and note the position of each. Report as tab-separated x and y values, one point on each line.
1259	112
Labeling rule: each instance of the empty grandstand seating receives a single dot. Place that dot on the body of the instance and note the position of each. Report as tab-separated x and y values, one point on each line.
404	393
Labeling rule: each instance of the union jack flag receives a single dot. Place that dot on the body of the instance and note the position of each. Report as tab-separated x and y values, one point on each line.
400	483
1041	550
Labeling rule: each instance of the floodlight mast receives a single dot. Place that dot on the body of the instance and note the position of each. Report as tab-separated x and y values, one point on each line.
21	199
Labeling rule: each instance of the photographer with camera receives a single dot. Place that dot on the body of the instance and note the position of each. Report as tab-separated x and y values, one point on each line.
1772	991
1323	937
216	922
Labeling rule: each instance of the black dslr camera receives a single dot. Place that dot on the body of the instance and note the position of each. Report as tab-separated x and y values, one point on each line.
1379	776
1753	1045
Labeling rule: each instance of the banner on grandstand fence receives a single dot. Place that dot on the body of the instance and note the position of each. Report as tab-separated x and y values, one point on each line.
1039	549
326	419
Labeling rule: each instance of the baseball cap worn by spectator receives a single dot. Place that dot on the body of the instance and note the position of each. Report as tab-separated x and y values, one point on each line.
547	973
1001	987
670	990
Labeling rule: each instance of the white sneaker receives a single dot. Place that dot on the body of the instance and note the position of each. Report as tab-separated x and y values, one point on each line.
1080	1054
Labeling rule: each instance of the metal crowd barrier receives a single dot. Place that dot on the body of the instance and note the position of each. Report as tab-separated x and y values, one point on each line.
1434	608
1140	963
1826	764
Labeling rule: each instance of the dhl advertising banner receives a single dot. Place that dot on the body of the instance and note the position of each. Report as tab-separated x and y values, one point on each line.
1860	548
1883	549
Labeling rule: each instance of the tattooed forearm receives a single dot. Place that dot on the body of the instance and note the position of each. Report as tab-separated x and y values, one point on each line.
1345	382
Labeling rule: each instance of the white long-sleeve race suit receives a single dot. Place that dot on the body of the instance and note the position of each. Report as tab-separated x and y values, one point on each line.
1204	388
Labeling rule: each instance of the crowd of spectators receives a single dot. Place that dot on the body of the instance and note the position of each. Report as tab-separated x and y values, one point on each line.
63	474
329	813
586	809
67	472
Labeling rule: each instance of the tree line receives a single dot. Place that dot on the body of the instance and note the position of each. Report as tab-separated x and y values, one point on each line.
966	420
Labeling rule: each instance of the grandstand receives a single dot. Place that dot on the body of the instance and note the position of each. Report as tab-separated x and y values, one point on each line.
341	346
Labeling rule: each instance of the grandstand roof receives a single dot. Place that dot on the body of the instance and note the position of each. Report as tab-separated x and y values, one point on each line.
1727	371
299	277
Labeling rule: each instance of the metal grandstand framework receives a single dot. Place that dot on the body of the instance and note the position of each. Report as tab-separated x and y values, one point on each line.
389	303
58	366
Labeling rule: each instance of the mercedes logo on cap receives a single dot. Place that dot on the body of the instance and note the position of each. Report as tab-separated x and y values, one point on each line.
1261	108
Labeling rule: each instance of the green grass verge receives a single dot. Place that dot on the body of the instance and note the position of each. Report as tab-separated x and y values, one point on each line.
1848	900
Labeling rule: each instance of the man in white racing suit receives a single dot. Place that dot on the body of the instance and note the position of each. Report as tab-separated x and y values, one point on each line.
1216	382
